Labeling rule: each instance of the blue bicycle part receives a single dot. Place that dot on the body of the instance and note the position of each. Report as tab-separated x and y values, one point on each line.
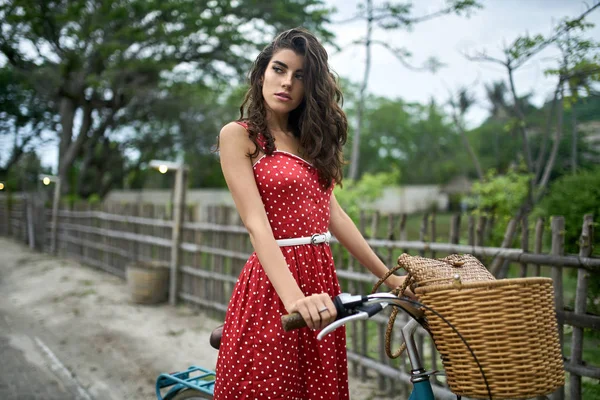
422	391
197	378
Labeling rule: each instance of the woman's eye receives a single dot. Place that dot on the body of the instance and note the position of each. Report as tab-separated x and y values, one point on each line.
299	77
277	69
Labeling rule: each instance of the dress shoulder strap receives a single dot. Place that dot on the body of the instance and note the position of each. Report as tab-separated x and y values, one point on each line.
262	141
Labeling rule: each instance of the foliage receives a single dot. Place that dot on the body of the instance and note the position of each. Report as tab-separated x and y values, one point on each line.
573	196
357	195
416	139
499	195
23	174
97	61
23	116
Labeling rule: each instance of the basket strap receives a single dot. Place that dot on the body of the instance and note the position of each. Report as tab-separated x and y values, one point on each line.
390	326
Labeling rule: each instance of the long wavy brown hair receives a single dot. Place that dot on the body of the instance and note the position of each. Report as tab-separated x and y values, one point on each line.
318	122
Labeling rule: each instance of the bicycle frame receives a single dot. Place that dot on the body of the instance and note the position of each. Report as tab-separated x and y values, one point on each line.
419	377
365	307
194	377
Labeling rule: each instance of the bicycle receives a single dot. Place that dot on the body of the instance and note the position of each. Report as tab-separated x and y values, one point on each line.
197	383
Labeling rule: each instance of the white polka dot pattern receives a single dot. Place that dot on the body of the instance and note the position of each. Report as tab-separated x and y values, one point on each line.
257	359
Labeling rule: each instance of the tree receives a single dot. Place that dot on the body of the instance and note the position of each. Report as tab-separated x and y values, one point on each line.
416	139
464	100
514	57
99	58
23	117
392	16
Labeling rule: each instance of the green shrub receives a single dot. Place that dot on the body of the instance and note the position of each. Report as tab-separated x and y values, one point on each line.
356	195
573	196
500	196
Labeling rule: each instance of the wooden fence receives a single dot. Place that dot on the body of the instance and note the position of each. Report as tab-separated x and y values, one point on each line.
211	254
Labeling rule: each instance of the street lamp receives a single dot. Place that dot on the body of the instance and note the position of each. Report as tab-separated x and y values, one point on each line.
178	204
47	180
1	185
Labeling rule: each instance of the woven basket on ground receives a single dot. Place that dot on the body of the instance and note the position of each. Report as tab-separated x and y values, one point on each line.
509	324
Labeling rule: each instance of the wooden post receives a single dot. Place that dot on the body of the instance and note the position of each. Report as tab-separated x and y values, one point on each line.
471	230
455	229
585	249
55	201
179	204
524	242
497	268
558	248
539	234
481	224
30	224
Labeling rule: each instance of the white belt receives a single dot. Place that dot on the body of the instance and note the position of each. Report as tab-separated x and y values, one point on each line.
314	239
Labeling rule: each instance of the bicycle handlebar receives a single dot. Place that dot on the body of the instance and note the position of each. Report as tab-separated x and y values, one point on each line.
352	307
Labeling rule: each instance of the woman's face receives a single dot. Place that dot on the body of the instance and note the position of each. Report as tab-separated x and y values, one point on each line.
283	86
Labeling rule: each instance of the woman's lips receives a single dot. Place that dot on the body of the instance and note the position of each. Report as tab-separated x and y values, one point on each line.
283	96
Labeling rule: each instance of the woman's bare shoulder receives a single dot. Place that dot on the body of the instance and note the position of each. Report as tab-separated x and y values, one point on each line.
233	132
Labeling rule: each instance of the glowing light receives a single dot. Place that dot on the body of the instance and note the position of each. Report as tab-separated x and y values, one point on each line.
46	181
163	169
1	186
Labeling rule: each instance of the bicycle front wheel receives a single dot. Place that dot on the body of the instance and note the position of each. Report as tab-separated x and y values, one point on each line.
191	394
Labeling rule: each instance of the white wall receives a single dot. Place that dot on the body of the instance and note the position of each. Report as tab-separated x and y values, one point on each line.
405	199
411	199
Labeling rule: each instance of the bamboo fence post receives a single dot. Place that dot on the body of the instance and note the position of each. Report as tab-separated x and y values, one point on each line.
558	248
480	230
585	249
455	229
539	235
179	204
433	235
432	348
403	230
423	232
498	265
524	242
54	225
471	231
30	222
422	238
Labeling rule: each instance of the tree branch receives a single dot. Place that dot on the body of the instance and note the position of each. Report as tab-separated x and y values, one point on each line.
552	159
542	151
522	121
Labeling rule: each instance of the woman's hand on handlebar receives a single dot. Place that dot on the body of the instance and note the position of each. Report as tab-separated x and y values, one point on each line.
317	310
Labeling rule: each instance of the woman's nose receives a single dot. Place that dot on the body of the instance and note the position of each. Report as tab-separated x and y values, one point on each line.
287	81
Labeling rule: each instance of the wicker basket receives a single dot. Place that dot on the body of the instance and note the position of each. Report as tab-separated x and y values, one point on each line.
511	327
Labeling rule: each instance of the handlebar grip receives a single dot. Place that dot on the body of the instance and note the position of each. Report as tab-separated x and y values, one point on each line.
292	321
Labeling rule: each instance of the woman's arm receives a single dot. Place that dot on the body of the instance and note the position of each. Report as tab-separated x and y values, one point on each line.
235	145
346	232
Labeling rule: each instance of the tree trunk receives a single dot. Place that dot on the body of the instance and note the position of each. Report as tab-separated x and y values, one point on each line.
355	157
542	151
522	125
67	110
574	139
69	152
469	148
552	159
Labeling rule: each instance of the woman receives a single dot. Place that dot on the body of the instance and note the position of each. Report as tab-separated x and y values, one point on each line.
281	162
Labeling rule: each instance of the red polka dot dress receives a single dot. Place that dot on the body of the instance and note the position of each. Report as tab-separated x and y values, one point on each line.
257	359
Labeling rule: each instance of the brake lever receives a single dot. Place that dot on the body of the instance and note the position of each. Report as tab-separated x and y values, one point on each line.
337	323
361	312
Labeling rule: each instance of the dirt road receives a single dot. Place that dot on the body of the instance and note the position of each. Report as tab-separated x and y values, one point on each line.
77	325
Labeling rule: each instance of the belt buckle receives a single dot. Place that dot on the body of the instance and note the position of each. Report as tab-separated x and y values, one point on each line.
315	237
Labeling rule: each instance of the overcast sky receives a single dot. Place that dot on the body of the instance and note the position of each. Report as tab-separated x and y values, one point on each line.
446	38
